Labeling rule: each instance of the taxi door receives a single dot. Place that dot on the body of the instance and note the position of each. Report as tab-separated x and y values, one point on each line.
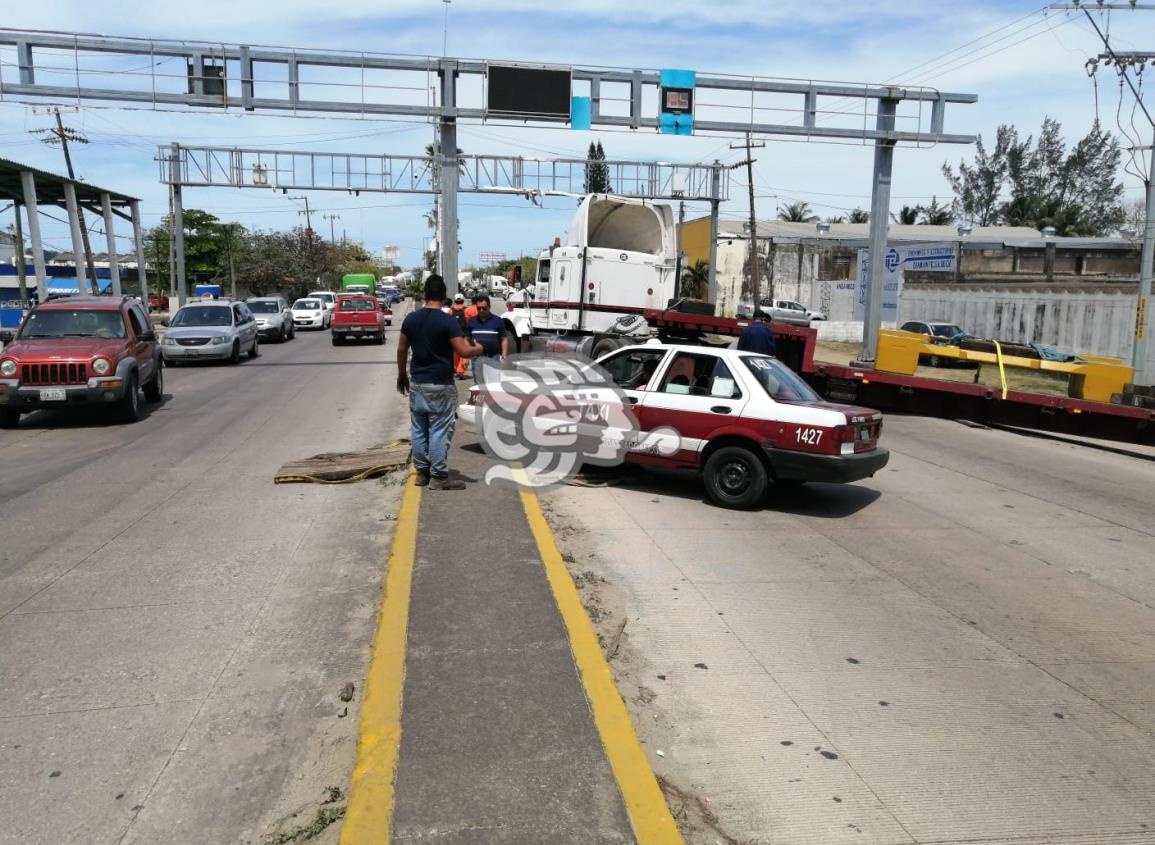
696	395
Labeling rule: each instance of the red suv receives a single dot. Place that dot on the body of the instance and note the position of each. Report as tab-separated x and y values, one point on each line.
81	352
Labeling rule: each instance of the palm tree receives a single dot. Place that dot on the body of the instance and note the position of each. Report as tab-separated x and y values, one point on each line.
908	216
837	219
797	212
858	215
434	152
696	279
935	214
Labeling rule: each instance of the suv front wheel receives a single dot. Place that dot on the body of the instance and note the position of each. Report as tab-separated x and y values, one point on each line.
128	409
9	418
154	390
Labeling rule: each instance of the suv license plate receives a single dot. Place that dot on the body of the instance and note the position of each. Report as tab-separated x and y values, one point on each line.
55	395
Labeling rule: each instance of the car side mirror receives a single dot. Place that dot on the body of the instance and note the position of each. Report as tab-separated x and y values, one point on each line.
6	336
147	337
164	322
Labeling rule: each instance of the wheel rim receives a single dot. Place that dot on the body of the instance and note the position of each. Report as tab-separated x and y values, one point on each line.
735	477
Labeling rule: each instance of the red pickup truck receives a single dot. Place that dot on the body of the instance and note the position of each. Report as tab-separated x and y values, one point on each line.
357	315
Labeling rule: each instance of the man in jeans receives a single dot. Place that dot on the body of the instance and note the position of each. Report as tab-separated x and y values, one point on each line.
434	337
488	329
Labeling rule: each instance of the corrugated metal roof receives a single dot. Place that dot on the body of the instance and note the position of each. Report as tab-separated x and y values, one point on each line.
50	187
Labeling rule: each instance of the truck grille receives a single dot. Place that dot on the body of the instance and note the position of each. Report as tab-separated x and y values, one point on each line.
192	341
54	373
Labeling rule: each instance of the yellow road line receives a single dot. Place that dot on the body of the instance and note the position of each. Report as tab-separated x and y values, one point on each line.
369	815
649	814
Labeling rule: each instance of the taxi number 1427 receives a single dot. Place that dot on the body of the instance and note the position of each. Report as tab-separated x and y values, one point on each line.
811	436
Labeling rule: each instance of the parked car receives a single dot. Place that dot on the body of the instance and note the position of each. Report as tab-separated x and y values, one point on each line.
328	297
157	302
81	352
789	311
208	330
311	313
356	317
742	420
940	333
274	317
386	311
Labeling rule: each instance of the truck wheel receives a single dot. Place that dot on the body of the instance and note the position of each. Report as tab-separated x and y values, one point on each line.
735	478
154	390
9	418
128	408
380	339
338	340
605	346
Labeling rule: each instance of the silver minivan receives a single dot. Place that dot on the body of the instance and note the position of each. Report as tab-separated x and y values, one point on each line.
210	330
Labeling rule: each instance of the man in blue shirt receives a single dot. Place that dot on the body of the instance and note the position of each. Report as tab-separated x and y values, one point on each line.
758	336
489	330
433	336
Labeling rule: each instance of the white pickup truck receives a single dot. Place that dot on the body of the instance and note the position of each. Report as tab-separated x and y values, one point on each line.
788	311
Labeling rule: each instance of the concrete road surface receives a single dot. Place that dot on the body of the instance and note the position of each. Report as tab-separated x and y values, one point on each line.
174	628
961	649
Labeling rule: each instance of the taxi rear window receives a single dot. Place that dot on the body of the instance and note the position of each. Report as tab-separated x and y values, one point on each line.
778	380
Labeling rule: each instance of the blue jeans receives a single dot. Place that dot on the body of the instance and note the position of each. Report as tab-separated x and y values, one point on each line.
432	415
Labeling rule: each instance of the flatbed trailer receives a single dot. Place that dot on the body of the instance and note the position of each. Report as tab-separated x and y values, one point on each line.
927	396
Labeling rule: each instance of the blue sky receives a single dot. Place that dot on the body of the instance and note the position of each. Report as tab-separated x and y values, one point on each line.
1023	62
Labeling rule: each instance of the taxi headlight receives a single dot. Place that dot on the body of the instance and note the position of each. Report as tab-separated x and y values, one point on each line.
100	366
8	367
218	340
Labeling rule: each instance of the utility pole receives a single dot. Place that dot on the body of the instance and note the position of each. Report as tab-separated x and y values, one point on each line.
62	135
232	270
332	232
21	277
752	288
1140	346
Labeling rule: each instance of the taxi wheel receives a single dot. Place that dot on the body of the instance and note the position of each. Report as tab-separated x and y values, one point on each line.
735	478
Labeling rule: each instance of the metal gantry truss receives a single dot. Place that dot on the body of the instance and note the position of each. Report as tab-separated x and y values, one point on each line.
234	167
239	77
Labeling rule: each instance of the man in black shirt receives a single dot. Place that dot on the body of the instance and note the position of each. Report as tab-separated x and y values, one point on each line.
434	337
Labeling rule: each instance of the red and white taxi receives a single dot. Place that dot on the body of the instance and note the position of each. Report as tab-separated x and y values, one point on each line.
741	419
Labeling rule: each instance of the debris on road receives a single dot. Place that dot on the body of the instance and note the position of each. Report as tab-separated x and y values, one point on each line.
345	467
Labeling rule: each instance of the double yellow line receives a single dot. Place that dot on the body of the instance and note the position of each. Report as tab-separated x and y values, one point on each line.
369	816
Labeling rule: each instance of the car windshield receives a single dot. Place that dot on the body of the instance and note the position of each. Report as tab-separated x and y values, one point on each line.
306	305
61	323
265	307
778	380
945	329
203	315
358	305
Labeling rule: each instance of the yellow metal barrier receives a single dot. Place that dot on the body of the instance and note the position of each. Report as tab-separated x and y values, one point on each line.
1092	377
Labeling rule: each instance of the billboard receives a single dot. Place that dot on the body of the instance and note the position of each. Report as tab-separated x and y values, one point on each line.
528	92
938	257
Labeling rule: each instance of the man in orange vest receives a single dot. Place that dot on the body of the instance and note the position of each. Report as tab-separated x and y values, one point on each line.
460	313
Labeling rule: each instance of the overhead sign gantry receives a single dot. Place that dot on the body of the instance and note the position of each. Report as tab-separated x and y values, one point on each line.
240	77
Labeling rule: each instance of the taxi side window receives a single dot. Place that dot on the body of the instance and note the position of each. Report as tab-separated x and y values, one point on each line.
632	369
700	375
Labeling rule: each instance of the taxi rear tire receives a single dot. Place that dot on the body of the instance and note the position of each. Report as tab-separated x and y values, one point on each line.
735	478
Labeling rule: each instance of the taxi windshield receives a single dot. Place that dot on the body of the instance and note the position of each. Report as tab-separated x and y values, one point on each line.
778	380
203	315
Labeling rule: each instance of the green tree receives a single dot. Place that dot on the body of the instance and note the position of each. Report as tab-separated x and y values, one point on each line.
797	212
858	215
205	247
907	215
597	179
1039	183
935	214
696	279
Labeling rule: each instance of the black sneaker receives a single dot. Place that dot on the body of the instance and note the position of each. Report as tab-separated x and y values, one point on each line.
422	478
446	484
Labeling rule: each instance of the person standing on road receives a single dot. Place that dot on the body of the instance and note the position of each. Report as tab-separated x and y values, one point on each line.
489	330
758	336
434	337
